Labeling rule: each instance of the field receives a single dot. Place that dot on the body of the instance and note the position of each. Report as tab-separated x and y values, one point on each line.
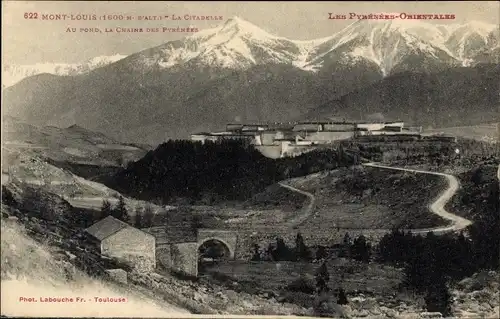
358	198
277	196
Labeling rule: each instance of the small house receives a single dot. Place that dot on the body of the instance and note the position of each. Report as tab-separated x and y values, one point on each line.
117	239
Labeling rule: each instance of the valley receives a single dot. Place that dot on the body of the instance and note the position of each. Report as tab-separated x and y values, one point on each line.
323	206
220	166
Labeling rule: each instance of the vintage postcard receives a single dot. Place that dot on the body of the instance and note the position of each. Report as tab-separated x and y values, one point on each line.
176	159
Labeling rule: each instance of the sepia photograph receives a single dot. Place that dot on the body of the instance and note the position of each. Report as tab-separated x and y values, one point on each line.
250	159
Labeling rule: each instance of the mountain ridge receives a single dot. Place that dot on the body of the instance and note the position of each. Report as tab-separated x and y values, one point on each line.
142	98
423	99
12	74
239	44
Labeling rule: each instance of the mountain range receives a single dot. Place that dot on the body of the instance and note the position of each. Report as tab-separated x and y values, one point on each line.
453	97
239	72
12	73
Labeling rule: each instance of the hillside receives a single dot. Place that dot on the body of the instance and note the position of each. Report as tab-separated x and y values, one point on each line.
213	172
43	252
73	144
372	198
132	105
455	97
46	270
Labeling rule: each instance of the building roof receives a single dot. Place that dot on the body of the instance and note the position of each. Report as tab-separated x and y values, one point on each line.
106	227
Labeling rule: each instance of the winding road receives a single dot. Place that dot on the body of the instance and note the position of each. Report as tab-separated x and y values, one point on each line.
307	210
437	207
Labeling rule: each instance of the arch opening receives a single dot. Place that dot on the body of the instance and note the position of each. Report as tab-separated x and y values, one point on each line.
211	251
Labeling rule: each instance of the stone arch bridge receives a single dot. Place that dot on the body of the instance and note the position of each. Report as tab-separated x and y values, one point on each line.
178	250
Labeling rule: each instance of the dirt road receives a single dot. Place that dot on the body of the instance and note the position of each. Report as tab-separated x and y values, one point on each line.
438	206
307	210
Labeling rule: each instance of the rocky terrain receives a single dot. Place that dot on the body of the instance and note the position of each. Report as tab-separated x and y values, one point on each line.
73	144
477	296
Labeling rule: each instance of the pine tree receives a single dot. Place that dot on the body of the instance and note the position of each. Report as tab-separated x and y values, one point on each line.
347	240
282	250
438	298
106	209
138	217
120	212
360	249
321	253
148	215
342	298
341	155
301	250
256	253
322	278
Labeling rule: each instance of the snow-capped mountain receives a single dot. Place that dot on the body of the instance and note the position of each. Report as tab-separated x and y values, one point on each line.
471	39
387	46
406	45
11	74
236	44
390	46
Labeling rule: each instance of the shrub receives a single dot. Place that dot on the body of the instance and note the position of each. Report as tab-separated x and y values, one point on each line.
301	285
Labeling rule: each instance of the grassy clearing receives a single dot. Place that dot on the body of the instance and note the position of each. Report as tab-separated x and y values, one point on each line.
276	196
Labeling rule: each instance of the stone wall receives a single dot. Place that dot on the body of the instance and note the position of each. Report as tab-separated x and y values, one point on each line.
132	246
184	258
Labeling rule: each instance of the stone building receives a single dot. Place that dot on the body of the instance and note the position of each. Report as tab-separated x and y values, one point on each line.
117	239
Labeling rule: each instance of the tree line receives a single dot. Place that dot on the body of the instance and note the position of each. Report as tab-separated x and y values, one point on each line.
358	249
119	211
144	215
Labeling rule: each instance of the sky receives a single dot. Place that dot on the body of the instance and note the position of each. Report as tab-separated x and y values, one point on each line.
30	41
